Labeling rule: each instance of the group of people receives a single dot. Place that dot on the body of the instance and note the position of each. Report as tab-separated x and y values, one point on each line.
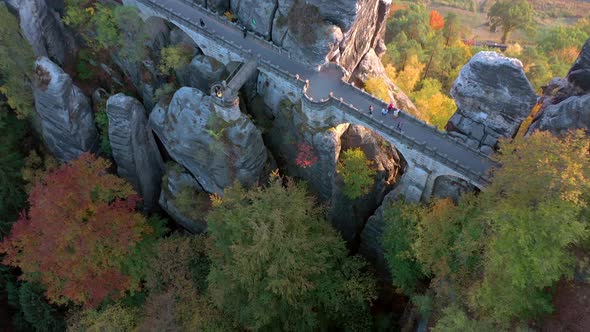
385	111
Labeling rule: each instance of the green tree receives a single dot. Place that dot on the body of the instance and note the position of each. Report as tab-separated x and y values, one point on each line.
357	172
175	57
511	15
12	194
401	222
16	65
33	311
452	29
272	248
535	210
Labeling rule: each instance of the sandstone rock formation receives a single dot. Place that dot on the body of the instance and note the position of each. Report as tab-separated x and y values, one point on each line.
44	30
565	103
134	148
349	216
217	145
179	188
201	73
493	97
66	119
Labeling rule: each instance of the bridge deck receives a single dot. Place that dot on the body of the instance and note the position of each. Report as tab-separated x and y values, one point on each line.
322	83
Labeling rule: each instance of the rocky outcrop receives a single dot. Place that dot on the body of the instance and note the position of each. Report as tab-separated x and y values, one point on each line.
371	66
349	216
572	113
44	30
217	145
66	120
448	186
201	73
183	198
565	103
493	97
134	148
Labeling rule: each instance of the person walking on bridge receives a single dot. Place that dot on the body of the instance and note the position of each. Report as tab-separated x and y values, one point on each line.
383	111
245	32
202	23
390	107
370	109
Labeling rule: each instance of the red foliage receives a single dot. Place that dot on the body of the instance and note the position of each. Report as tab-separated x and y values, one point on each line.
305	156
437	21
81	224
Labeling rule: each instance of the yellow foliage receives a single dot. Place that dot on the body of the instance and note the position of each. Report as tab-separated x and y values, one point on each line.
391	72
377	87
434	104
409	77
513	50
567	55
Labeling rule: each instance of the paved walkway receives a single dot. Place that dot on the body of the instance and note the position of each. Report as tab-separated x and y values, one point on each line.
322	83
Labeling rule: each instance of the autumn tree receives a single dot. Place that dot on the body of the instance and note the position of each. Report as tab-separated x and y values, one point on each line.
511	15
408	78
357	172
16	65
436	20
272	248
377	87
86	219
431	101
536	209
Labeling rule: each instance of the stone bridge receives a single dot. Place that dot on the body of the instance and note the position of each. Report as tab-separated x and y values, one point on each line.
326	100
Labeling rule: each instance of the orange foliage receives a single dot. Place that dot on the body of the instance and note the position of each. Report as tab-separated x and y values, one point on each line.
81	224
437	21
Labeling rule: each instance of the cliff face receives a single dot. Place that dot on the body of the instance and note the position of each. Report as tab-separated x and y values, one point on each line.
44	30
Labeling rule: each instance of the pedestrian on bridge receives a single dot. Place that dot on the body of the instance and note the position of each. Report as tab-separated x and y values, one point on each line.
202	23
390	107
370	109
245	32
395	112
383	111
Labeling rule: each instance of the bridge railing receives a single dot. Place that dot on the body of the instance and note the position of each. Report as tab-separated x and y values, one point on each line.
295	79
410	142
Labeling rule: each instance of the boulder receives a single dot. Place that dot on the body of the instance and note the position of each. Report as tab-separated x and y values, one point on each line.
493	97
349	216
44	30
180	198
66	119
371	66
134	148
218	145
